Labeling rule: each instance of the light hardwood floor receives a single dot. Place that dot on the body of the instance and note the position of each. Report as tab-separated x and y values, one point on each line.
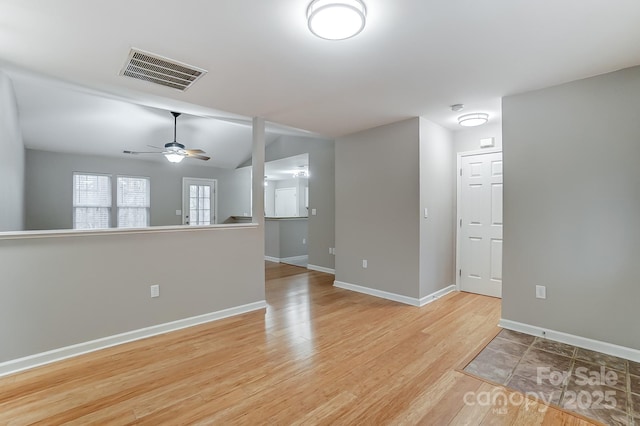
320	355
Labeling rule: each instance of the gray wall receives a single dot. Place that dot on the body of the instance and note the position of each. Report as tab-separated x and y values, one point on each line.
272	238
292	233
437	194
60	291
270	199
12	160
571	207
378	208
284	237
49	186
235	194
468	139
321	191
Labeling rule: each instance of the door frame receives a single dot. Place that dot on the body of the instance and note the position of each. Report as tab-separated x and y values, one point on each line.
214	198
458	223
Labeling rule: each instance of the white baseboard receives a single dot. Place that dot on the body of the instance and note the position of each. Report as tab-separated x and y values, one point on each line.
285	259
570	339
413	301
321	269
293	258
31	361
436	295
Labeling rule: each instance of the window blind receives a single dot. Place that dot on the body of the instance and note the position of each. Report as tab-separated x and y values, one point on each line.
134	201
91	201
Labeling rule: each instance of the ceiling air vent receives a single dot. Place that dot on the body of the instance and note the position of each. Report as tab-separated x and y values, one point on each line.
160	70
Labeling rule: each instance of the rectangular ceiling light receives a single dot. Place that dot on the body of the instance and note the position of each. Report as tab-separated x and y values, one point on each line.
160	70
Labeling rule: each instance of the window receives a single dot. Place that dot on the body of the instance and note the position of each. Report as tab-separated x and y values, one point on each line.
200	204
133	202
91	201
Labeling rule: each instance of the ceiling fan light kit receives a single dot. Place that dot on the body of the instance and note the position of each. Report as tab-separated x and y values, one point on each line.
473	119
336	19
174	157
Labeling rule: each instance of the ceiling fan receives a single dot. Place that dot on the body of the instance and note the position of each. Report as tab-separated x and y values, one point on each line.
174	151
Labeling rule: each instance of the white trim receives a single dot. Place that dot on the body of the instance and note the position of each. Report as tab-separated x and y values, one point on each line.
272	259
36	360
457	224
321	269
479	151
293	258
214	201
413	301
570	339
437	295
458	201
20	235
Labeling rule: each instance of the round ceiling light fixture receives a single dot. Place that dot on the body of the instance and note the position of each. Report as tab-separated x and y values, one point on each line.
473	119
336	20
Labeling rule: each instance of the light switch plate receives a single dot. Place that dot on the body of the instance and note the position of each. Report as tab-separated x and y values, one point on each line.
426	213
178	212
313	212
541	292
155	290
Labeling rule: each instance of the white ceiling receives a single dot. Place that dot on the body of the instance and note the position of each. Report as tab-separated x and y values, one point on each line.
62	117
414	58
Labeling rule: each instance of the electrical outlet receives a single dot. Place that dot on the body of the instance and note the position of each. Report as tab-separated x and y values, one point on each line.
364	263
541	292
178	212
155	290
304	241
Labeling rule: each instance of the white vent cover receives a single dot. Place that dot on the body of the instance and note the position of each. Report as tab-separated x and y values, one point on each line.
160	70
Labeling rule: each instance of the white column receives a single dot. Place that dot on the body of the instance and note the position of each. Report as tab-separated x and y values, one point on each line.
257	172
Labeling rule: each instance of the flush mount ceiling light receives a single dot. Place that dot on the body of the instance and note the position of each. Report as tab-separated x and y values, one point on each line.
336	20
474	119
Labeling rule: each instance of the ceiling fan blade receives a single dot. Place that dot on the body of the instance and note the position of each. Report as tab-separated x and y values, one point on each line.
194	151
142	152
152	146
199	157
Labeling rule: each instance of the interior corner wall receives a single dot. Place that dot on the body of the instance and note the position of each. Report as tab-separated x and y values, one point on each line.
12	161
571	207
377	208
321	191
437	231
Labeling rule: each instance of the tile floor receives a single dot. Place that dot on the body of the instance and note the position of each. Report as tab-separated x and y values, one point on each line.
598	386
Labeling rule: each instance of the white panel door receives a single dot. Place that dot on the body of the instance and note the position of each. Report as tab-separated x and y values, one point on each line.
286	202
198	201
480	224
